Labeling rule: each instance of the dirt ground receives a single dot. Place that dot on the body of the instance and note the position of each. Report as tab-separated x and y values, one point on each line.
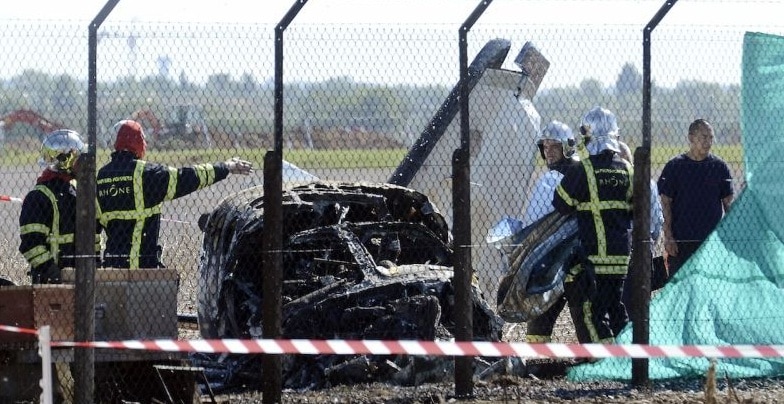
531	390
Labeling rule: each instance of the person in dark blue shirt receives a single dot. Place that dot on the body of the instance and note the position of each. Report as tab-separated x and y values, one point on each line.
696	191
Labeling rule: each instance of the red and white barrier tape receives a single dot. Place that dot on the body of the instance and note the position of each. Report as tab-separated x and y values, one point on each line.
19	330
8	198
429	348
439	348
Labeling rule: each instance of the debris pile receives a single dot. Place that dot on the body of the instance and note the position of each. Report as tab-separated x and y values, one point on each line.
360	261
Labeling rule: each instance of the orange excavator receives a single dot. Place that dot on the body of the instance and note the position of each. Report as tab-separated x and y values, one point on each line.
29	117
150	123
184	122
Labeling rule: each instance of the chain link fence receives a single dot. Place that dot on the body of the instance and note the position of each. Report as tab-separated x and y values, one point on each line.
357	98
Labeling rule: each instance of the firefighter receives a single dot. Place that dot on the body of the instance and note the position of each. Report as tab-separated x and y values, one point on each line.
130	192
556	145
48	219
599	193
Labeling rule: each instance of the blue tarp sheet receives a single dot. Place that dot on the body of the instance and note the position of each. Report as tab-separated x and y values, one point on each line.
730	292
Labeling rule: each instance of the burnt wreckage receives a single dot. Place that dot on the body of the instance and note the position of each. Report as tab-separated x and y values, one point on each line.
360	261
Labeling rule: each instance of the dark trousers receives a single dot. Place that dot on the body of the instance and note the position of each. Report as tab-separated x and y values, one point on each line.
685	250
540	329
578	298
608	313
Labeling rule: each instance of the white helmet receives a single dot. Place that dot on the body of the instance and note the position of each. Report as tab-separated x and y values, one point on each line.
600	127
60	150
560	132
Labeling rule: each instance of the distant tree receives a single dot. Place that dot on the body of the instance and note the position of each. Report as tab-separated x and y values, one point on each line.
219	82
591	88
629	81
248	82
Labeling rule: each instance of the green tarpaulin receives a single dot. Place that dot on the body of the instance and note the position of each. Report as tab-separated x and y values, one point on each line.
730	292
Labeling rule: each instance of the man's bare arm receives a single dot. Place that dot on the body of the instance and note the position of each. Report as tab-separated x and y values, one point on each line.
726	202
669	240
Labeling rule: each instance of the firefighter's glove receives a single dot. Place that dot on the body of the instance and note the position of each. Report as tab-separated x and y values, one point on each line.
237	166
47	273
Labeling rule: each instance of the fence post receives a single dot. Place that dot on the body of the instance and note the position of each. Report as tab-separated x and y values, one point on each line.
272	256
84	243
45	351
461	211
640	275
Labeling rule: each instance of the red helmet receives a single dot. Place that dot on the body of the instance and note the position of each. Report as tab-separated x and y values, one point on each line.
130	136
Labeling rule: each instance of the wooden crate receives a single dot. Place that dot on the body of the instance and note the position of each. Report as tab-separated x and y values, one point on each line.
34	306
134	303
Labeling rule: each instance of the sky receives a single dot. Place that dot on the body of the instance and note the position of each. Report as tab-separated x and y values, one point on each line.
702	38
719	12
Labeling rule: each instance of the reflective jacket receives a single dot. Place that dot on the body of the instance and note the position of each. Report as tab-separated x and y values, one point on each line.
599	191
47	224
130	193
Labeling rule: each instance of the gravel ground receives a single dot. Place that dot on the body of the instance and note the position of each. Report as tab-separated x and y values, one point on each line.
531	390
549	387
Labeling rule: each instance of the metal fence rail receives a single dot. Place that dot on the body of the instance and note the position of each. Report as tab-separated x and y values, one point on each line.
352	101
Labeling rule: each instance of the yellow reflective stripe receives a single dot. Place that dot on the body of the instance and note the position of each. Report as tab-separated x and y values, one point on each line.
588	321
131	215
604	205
37	255
565	196
54	237
37	261
582	151
206	174
630	191
61	239
138	189
537	339
611	270
140	214
172	188
34	228
609	259
596	211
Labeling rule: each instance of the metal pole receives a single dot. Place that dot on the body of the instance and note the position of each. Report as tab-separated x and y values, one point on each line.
45	351
272	258
491	56
84	358
461	211
640	276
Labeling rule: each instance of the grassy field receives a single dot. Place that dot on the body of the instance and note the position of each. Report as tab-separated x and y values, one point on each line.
331	159
325	159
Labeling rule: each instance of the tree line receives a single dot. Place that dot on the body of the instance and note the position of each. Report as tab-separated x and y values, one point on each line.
243	106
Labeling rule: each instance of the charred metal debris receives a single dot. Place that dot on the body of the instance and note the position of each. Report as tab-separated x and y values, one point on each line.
360	261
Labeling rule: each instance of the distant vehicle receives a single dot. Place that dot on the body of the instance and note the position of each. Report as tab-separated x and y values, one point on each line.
182	126
27	116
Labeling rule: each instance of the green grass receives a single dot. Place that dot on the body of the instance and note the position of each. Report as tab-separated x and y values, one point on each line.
338	159
303	158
